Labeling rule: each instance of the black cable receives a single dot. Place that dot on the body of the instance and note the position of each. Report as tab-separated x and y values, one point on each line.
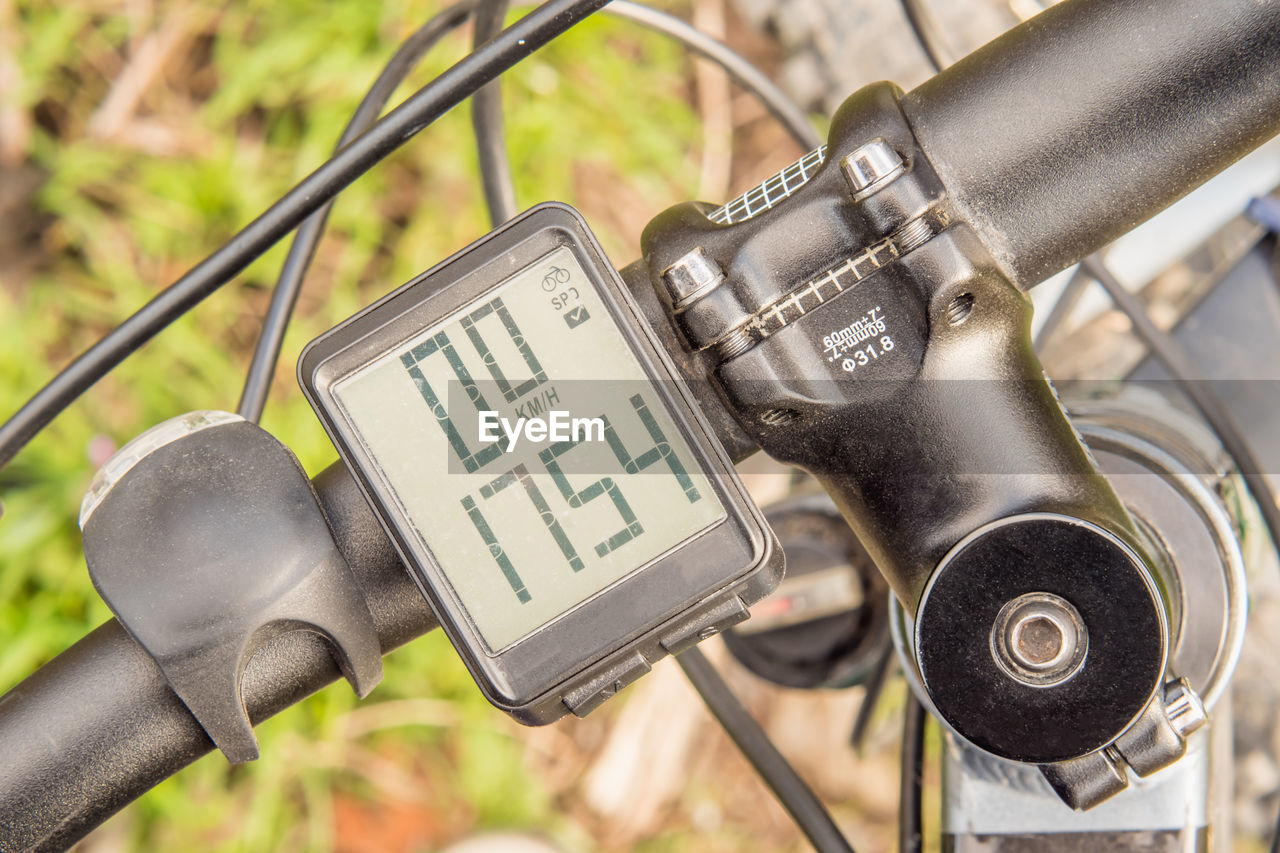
1062	307
292	274
426	105
911	796
492	167
1192	383
486	120
795	796
874	687
486	116
750	78
927	33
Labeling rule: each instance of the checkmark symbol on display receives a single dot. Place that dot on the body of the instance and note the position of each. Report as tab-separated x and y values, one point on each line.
575	317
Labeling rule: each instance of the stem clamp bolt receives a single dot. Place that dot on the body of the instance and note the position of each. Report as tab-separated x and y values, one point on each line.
871	167
691	278
1183	707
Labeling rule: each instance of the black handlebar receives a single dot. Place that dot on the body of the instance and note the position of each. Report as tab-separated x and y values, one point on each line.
98	726
1077	125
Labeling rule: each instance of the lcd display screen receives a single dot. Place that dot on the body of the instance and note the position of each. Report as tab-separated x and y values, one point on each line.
528	449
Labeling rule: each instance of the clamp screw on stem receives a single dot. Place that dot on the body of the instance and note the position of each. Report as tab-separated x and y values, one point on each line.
871	167
1183	707
691	278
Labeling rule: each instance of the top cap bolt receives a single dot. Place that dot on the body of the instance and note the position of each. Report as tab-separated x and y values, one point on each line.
871	167
1039	639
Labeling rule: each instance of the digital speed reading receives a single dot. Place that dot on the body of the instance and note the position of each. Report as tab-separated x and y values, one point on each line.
493	404
537	463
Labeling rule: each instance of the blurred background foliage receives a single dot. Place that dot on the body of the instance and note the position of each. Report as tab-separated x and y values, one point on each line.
135	137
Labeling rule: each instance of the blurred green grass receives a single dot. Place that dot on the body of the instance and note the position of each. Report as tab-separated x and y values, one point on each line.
251	99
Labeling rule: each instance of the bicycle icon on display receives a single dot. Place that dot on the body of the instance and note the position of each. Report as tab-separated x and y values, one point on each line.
554	277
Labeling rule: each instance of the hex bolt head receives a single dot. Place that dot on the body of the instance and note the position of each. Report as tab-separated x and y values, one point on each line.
871	167
691	278
1039	639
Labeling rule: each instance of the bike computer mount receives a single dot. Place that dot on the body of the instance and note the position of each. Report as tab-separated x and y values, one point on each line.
531	452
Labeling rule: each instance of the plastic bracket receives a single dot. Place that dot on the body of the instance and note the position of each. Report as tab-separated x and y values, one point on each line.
207	547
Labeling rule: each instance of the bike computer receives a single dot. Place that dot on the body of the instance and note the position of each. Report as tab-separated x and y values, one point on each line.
529	448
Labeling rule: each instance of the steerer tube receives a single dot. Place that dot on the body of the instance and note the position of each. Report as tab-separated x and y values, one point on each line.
1072	128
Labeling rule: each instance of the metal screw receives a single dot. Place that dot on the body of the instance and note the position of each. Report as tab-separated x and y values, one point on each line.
871	167
691	278
1039	639
779	417
913	235
1037	642
1183	707
734	343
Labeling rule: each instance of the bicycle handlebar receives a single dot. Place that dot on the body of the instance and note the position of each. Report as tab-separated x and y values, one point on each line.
1082	122
98	726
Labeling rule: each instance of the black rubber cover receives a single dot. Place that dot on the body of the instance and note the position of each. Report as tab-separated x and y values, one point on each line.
208	547
98	726
1094	115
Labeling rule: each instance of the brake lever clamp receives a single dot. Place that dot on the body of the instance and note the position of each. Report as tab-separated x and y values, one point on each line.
205	539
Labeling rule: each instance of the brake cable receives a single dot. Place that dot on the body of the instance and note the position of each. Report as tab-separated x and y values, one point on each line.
284	297
430	102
